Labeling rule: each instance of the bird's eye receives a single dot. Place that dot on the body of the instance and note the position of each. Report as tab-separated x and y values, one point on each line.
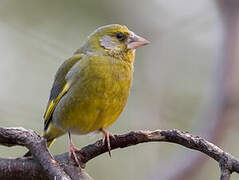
120	36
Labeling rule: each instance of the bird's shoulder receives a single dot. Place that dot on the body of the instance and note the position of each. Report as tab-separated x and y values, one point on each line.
60	76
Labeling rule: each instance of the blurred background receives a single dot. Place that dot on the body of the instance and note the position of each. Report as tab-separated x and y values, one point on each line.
185	79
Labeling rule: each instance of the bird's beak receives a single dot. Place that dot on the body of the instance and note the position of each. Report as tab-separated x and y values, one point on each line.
136	41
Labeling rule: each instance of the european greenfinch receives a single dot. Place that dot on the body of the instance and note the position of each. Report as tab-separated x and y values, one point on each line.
91	88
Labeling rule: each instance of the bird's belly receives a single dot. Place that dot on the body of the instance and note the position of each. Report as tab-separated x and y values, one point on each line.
92	106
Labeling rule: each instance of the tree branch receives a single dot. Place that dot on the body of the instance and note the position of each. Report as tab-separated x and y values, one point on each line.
26	167
37	146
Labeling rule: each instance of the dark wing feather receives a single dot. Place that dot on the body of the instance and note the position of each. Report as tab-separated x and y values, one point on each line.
59	88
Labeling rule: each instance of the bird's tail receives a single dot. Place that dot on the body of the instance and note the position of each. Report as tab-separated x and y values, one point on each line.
50	142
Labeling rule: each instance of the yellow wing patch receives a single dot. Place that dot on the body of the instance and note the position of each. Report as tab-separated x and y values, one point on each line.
52	105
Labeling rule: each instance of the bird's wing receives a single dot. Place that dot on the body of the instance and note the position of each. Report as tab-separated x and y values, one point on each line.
59	88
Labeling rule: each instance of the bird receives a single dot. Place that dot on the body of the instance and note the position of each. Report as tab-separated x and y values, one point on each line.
91	88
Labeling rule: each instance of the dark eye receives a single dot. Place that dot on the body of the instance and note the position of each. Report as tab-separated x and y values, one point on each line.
120	36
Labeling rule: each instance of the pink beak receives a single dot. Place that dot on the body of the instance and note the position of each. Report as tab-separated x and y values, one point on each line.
136	41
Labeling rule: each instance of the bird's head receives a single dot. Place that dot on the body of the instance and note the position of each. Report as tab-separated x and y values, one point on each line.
114	40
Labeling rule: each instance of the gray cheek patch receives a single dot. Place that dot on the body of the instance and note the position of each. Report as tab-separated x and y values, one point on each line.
108	43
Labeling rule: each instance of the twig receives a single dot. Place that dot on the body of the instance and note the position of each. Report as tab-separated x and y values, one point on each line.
223	108
225	166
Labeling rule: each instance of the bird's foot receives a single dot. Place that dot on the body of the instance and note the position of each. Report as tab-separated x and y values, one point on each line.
106	139
72	151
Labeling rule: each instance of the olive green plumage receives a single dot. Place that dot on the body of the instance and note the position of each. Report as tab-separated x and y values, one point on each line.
91	88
